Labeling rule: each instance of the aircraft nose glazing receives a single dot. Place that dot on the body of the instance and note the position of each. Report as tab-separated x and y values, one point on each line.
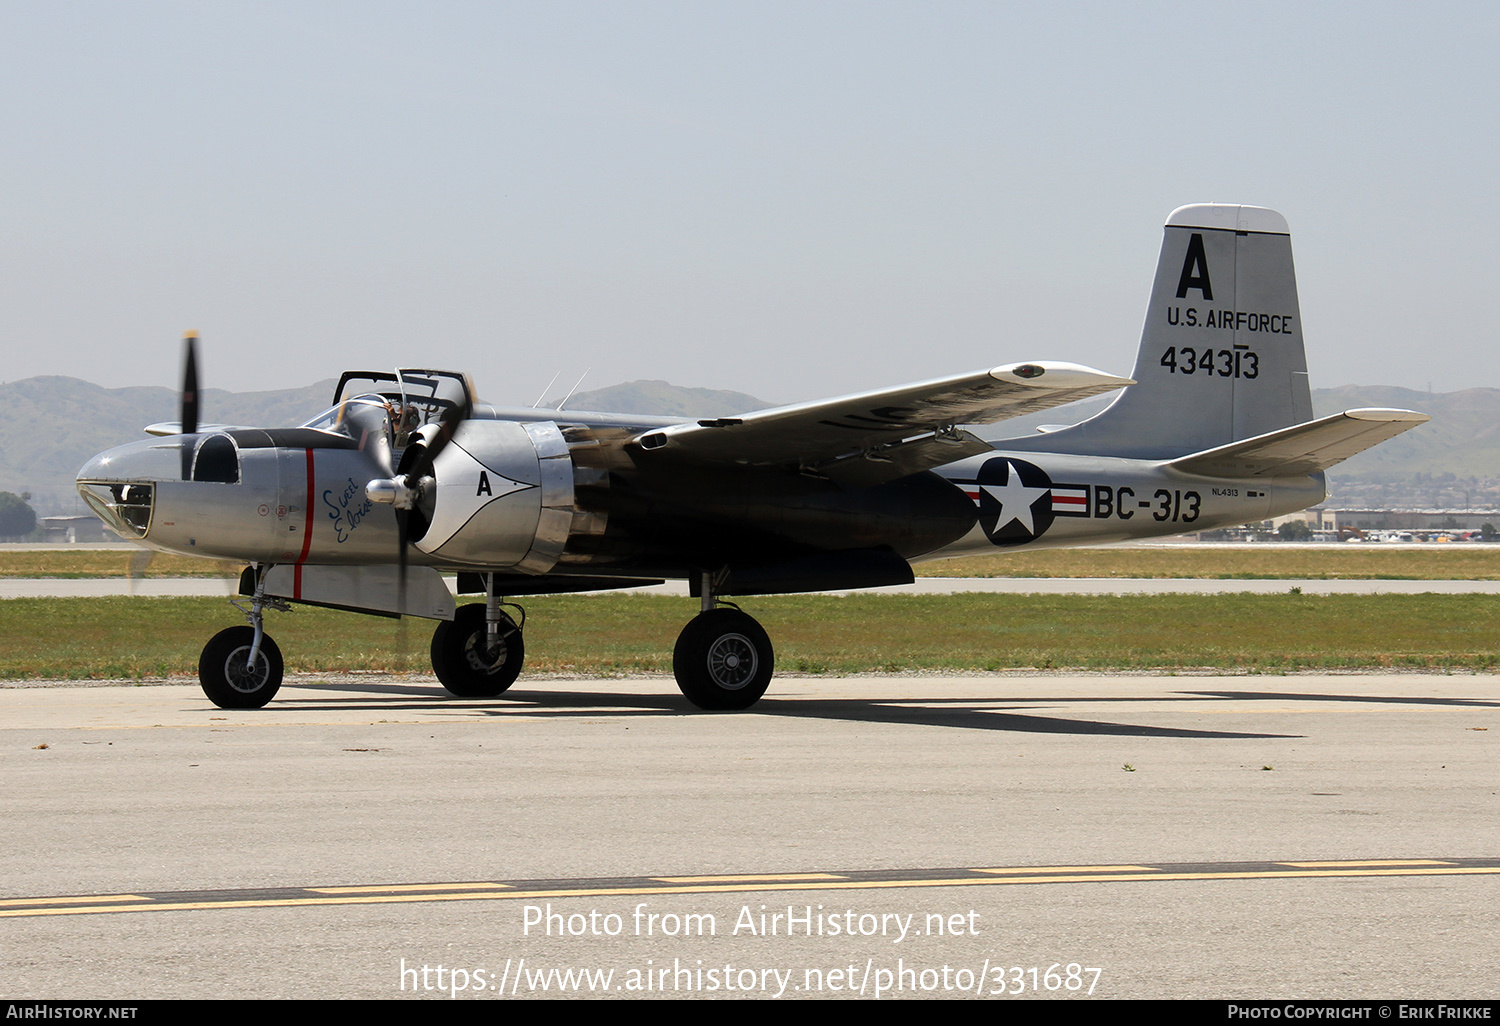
120	485
125	507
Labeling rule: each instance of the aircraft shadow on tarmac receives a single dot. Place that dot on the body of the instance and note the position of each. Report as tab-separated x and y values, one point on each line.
997	713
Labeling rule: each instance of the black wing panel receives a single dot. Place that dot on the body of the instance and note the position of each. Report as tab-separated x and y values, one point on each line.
880	436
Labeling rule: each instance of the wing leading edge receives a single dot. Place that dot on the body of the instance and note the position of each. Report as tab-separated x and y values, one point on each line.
871	437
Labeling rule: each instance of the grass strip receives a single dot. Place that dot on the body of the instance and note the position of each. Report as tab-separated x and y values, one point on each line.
129	638
1459	562
1271	561
91	563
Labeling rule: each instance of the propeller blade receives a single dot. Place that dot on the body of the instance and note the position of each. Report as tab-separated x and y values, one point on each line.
189	416
448	424
140	561
412	483
403	644
402	540
187	419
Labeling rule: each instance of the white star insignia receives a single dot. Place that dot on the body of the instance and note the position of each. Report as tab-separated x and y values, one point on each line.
1015	500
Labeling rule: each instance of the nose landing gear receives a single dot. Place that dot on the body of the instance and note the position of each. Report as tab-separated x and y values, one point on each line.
241	667
232	677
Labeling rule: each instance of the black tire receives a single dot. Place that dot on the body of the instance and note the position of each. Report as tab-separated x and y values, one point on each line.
723	660
225	674
460	659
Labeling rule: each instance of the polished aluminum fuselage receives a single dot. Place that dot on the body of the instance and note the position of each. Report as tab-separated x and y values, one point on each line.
508	504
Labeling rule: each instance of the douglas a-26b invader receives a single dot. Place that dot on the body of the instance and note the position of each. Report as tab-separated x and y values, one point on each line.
406	477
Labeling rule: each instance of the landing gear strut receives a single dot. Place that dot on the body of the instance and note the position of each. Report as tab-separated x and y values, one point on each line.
480	652
241	667
723	658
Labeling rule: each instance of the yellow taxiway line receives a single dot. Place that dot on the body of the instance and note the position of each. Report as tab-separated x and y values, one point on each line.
380	894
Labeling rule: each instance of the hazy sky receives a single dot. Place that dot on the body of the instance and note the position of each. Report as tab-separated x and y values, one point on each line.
788	199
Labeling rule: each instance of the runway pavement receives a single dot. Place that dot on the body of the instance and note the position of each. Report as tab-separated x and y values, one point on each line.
1320	836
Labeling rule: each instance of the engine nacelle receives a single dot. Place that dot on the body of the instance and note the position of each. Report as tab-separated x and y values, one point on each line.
503	497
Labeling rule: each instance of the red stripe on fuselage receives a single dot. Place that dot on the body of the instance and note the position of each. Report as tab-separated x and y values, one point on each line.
306	530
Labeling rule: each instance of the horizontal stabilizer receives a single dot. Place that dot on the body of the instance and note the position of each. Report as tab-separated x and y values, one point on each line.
1304	448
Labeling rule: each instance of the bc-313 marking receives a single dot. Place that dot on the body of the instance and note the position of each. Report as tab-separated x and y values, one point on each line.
1165	504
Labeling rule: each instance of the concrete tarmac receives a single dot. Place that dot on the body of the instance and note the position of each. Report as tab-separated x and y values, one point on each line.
1255	837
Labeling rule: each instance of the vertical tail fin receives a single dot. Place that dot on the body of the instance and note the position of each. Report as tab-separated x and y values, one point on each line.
1221	355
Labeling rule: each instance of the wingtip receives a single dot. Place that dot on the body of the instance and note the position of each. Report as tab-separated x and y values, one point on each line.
1385	416
1055	375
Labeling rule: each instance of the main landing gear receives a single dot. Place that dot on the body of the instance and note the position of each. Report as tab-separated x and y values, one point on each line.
478	654
240	667
723	658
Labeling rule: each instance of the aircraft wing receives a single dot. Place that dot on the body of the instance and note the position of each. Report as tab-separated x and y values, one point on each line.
174	427
1304	448
871	437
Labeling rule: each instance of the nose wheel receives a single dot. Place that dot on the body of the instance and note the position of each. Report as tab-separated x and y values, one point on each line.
230	679
723	660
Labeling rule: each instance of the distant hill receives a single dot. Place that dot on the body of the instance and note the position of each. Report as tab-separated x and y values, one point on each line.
1451	463
53	424
1463	438
660	399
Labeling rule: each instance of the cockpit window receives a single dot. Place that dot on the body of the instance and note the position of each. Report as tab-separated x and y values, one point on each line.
366	419
328	420
353	417
217	460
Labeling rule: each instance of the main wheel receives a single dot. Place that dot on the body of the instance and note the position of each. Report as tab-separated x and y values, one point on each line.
228	679
463	660
723	660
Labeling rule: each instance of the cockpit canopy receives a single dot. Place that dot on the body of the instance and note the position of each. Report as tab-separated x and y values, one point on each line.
413	398
356	416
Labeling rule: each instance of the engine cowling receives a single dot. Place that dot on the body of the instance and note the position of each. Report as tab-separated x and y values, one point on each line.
501	495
